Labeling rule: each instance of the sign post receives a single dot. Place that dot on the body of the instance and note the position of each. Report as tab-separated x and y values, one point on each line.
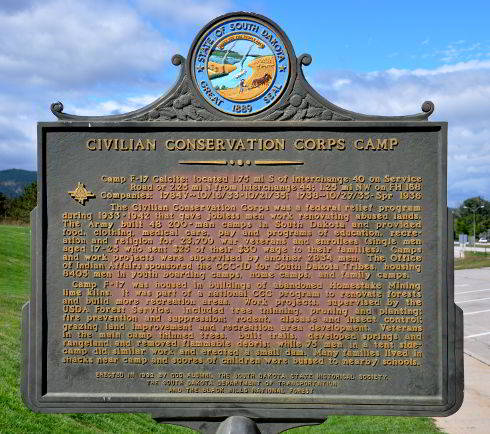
242	248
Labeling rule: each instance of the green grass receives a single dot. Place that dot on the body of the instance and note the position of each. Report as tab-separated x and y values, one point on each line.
371	425
16	418
472	260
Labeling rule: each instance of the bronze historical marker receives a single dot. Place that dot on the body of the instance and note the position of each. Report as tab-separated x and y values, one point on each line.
242	247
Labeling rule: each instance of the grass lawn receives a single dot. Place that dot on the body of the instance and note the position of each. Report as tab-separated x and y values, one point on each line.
472	260
16	418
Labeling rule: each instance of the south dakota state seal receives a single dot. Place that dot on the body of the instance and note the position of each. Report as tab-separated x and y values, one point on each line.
241	65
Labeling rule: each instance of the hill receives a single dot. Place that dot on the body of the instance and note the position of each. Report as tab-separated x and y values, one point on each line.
13	181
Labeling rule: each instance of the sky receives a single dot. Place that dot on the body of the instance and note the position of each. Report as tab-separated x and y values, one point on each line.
379	57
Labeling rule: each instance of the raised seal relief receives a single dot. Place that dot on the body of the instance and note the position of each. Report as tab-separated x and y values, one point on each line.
241	66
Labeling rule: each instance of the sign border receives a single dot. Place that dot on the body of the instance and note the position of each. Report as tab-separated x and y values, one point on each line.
34	312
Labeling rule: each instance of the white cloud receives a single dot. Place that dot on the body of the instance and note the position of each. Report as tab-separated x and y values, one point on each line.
185	11
14	5
341	82
459	51
461	94
67	43
470	65
17	137
77	52
110	107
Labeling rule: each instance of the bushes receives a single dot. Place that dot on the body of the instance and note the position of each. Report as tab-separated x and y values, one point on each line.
19	208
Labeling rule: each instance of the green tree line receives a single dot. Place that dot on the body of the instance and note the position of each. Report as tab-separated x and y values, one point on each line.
472	216
18	209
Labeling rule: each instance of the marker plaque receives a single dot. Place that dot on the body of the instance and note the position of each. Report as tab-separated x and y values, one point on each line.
242	247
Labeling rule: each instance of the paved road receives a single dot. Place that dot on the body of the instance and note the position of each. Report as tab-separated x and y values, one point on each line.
472	294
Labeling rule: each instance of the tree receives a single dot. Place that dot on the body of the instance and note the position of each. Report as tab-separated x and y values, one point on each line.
465	217
21	207
4	205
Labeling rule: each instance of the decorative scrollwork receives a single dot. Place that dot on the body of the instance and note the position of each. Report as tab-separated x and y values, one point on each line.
305	108
305	59
177	60
428	107
181	106
57	107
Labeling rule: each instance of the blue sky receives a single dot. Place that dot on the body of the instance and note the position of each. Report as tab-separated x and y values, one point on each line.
374	57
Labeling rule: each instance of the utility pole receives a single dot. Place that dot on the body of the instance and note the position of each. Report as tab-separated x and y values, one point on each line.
474	210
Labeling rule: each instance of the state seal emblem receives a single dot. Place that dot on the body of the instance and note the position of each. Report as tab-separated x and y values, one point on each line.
241	64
